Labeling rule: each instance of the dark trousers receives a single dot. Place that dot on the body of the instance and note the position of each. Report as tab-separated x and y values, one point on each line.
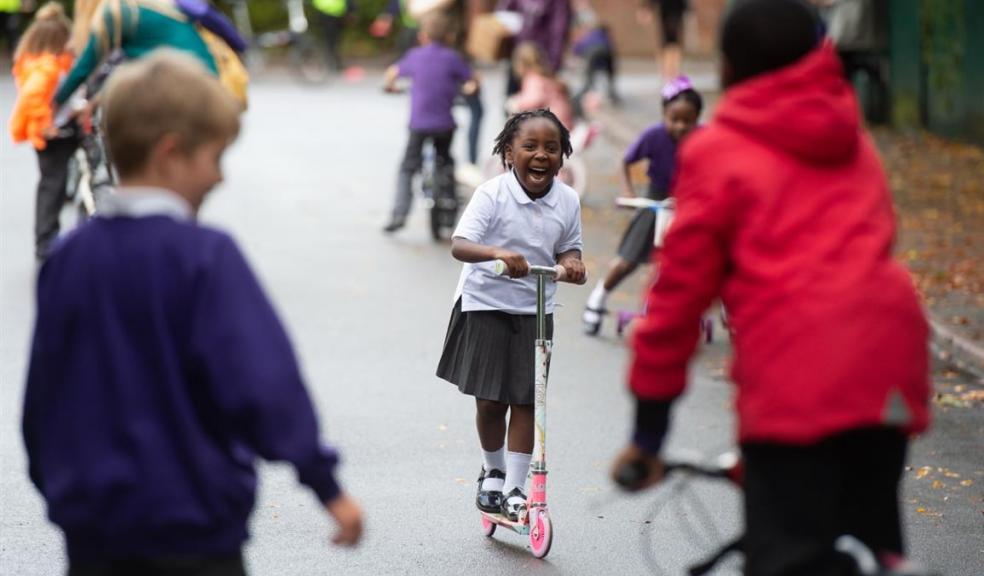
333	27
476	110
10	28
799	500
599	61
53	165
206	566
413	159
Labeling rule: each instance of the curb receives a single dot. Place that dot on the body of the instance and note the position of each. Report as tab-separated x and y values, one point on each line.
949	347
955	350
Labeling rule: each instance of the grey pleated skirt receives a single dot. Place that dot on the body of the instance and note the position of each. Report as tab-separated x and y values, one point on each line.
489	354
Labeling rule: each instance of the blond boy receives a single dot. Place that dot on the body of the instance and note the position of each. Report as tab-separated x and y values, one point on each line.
159	370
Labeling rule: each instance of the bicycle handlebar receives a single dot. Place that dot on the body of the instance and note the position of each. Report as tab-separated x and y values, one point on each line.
727	466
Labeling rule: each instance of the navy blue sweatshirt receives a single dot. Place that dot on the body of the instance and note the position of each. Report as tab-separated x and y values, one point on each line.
159	372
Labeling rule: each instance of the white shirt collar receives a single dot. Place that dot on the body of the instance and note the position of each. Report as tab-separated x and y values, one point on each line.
519	194
140	201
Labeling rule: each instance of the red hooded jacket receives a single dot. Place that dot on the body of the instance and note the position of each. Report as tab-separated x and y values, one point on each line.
783	210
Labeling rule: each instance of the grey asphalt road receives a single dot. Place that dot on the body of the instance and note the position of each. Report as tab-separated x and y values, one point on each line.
307	188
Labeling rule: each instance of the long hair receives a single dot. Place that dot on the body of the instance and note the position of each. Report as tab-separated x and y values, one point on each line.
85	11
49	32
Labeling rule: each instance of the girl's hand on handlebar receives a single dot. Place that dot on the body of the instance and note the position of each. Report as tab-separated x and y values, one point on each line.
574	271
515	262
634	469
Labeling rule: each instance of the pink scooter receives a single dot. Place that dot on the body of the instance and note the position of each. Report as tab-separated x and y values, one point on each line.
535	521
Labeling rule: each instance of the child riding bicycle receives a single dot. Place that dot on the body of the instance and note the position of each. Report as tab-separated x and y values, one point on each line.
784	211
437	73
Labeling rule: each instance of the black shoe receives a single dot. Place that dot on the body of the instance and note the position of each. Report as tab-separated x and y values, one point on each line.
394	225
489	500
514	505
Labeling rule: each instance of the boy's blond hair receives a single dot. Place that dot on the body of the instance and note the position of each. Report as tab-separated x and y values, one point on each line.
167	92
49	32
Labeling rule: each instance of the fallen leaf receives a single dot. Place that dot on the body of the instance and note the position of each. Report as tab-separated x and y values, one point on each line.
972	396
937	485
923	472
966	482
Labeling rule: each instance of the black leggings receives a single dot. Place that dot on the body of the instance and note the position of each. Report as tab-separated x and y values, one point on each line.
800	499
200	566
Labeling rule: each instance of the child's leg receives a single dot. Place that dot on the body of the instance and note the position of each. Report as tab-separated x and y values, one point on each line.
333	28
490	420
594	309
609	68
871	503
412	160
520	447
53	165
444	162
474	102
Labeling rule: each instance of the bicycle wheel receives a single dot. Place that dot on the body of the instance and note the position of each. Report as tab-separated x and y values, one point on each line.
307	61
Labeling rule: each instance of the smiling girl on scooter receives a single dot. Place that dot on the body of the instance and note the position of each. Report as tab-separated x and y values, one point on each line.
523	217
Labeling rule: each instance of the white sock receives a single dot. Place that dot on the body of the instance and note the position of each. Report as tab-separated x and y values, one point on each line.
517	468
494	461
598	297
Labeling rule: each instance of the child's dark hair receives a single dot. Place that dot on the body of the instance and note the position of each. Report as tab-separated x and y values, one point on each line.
759	36
689	95
505	138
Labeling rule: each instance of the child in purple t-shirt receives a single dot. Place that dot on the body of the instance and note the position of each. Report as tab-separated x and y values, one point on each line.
437	73
657	144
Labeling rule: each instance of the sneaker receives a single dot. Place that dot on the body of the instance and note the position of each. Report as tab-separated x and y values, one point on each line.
591	320
514	505
489	500
394	225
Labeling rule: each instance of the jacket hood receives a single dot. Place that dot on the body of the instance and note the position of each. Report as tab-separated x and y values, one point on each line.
807	109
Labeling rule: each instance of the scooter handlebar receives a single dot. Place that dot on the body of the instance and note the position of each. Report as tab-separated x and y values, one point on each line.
556	273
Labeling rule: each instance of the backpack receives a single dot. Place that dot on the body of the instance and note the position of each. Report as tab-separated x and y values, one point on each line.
232	74
224	44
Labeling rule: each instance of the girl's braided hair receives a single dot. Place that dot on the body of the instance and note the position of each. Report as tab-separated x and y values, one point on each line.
505	138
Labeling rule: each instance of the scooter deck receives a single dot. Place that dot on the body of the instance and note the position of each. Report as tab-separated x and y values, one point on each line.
518	527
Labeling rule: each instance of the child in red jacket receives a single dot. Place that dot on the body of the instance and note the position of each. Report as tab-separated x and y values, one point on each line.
784	212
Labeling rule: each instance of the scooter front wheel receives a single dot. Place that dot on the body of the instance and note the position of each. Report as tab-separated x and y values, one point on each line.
488	526
541	533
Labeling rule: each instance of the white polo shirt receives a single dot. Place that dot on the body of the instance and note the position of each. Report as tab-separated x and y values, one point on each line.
501	214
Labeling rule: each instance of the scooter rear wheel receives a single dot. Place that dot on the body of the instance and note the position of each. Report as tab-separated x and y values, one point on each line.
541	533
488	526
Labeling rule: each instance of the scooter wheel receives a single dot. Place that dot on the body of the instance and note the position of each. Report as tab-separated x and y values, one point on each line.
488	526
541	534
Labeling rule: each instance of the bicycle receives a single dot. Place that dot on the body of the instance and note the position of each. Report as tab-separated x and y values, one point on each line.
438	189
438	185
680	473
305	58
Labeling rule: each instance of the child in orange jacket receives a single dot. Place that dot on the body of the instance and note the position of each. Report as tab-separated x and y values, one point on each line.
41	59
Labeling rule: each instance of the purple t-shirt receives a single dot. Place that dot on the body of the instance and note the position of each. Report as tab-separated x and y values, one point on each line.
437	73
656	146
